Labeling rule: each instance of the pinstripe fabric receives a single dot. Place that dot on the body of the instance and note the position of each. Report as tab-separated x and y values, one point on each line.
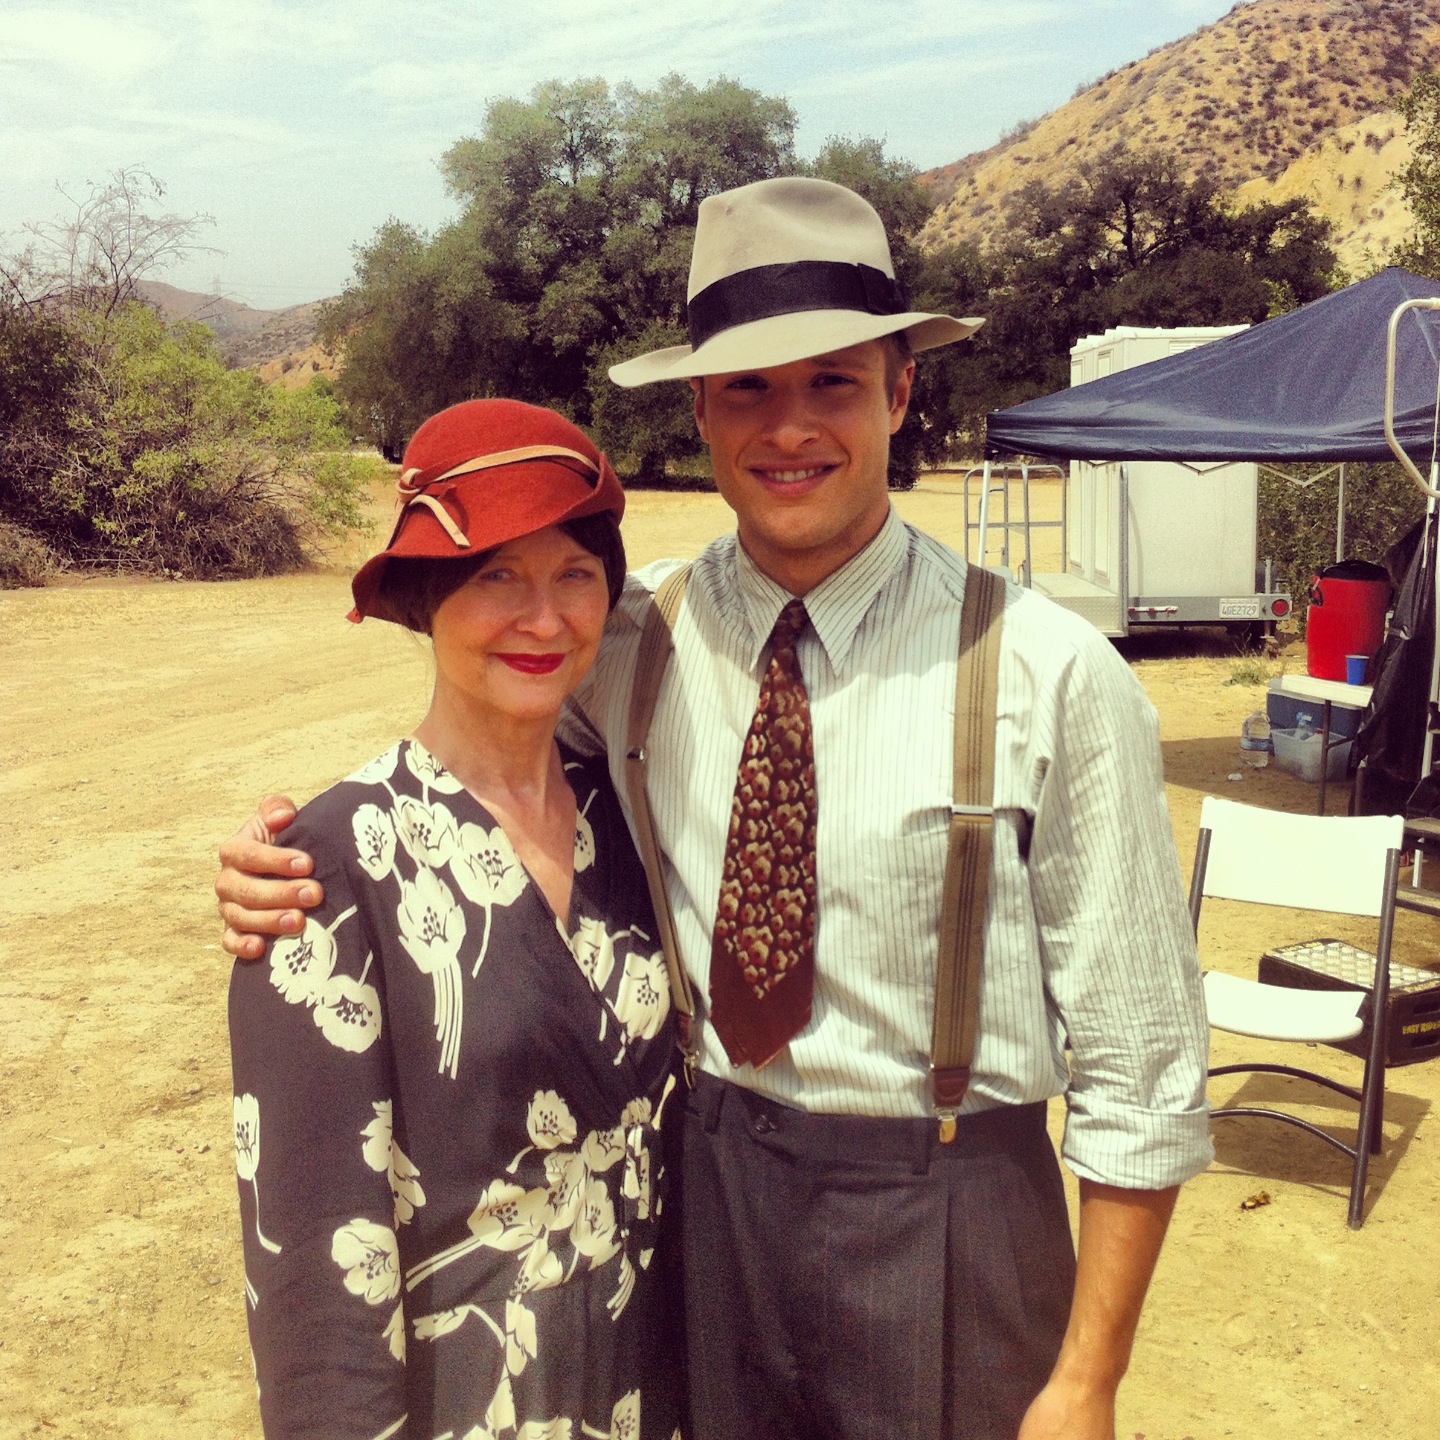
1088	944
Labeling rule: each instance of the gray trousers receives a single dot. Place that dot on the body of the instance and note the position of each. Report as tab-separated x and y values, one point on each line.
845	1277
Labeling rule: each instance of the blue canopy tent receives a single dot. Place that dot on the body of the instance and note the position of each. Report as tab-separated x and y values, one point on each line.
1309	385
1306	386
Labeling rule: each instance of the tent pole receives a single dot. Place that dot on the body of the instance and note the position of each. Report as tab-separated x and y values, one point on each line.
1427	752
1025	497
1065	518
1005	519
1340	518
1124	543
984	515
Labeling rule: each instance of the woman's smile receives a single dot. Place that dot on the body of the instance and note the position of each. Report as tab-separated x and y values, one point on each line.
533	664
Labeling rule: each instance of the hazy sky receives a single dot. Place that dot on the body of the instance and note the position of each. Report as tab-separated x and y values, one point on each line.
301	125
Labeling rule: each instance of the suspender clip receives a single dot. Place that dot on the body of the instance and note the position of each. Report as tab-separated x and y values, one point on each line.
689	1050
974	812
947	1090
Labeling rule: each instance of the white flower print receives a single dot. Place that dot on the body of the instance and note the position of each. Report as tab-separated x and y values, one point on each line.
499	1416
643	1000
558	1429
428	832
624	1290
370	1257
300	965
584	837
636	1184
540	1270
637	1111
432	929
501	1412
378	770
593	1233
489	873
246	1112
550	1125
508	1217
565	1175
395	1334
429	771
549	1121
348	1014
383	1154
602	1148
519	1336
594	950
625	1417
624	1420
374	840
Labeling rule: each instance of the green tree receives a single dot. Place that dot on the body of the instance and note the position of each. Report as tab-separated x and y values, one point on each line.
1418	181
1127	241
578	208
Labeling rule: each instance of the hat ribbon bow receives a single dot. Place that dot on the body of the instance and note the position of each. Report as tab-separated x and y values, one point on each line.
433	493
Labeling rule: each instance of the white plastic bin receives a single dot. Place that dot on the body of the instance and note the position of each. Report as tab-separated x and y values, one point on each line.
1299	755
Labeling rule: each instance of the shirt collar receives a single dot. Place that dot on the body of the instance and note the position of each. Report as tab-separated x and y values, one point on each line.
836	606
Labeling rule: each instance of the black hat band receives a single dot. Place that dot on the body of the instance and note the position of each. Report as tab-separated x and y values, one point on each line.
802	285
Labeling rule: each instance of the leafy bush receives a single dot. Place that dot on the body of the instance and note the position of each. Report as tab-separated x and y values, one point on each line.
135	448
24	560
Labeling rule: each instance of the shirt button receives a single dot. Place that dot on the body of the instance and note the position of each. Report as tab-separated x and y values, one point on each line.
763	1124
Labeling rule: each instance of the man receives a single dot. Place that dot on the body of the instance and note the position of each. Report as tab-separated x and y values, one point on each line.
848	1271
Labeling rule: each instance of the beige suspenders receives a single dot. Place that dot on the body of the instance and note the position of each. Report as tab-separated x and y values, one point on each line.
967	861
656	643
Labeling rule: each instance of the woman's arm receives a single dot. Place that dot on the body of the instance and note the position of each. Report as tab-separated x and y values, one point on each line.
313	1145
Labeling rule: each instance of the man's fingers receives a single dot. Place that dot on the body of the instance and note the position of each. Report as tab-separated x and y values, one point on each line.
276	812
241	895
241	922
254	855
245	930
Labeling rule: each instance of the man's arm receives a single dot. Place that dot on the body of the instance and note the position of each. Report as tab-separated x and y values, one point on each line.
252	903
1120	1236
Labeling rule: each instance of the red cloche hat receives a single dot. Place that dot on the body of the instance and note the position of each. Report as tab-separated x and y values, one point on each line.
483	473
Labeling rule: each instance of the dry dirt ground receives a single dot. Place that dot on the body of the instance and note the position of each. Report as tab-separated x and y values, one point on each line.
139	724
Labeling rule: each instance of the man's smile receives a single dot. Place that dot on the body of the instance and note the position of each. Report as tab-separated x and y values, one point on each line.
792	479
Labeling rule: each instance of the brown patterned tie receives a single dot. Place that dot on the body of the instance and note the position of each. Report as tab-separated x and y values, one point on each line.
762	961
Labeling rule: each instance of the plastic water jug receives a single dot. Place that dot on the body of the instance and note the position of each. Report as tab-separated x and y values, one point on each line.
1346	616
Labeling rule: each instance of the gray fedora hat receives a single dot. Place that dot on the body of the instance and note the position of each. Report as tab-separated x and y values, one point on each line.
783	270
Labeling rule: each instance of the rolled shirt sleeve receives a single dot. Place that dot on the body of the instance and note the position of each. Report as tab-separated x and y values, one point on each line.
1113	927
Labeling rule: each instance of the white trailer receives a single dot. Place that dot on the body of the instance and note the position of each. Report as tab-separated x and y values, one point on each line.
1157	542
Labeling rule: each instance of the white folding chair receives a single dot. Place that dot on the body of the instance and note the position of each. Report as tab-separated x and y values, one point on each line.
1345	865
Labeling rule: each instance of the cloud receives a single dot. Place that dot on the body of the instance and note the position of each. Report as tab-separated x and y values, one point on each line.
81	44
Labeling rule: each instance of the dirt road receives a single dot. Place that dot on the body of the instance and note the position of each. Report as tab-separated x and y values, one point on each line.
139	723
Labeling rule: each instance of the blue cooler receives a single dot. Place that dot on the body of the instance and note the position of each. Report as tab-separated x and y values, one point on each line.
1290	712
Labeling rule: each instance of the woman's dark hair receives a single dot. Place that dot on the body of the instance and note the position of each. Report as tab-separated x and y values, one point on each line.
415	588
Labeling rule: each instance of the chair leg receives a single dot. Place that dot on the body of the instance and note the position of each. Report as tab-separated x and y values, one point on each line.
1368	1137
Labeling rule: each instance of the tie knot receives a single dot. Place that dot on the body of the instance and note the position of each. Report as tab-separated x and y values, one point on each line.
788	626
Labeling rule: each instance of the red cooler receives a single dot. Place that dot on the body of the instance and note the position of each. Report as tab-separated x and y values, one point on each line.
1346	616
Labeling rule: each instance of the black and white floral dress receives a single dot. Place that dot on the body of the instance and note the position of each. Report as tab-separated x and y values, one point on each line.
446	1128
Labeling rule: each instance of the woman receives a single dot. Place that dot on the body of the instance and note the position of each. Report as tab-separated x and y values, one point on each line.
448	1087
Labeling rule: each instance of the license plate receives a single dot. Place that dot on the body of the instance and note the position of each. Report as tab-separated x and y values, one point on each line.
1240	609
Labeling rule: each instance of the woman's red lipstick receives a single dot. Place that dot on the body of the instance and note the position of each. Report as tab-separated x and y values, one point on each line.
533	664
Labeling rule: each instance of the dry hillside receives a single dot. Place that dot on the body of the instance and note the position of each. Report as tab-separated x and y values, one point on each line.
1281	97
246	336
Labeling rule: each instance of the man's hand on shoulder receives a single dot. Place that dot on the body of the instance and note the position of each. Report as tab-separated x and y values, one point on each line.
261	886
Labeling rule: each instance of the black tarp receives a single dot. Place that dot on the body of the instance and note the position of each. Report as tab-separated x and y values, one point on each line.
1309	385
1391	741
